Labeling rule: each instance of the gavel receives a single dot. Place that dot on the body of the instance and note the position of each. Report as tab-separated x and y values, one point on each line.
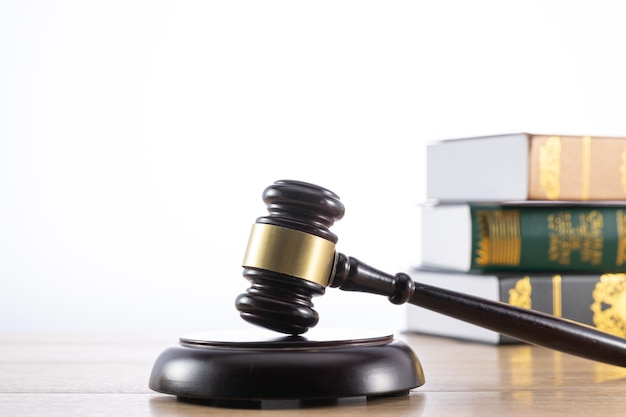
291	258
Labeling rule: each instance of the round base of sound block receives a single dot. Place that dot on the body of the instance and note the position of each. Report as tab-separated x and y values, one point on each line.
256	365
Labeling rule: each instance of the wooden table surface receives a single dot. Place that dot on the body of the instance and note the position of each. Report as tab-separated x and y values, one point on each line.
108	376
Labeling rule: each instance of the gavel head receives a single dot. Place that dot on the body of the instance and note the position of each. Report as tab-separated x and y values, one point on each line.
290	256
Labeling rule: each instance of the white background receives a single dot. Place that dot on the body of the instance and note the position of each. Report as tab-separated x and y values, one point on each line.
136	137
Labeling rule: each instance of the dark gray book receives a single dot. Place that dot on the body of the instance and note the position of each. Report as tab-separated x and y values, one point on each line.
597	300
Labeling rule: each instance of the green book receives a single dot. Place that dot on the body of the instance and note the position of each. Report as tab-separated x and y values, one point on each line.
524	237
597	300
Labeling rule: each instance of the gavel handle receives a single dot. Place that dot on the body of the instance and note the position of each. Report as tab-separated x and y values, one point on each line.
530	326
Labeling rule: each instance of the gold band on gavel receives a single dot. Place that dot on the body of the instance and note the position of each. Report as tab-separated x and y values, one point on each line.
290	252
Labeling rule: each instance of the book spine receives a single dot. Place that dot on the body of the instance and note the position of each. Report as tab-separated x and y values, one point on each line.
597	301
548	238
577	168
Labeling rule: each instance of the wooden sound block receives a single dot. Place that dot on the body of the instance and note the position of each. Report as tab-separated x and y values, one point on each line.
257	364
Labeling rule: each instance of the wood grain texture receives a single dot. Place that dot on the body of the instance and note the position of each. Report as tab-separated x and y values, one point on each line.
102	376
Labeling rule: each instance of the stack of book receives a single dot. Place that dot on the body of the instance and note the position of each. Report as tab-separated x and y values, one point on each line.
536	221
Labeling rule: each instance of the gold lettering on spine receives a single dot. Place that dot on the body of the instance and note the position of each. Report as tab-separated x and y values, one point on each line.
550	167
521	294
557	296
586	238
622	169
586	180
500	241
609	304
621	239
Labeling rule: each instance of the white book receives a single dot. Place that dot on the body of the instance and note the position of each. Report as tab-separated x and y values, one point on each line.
525	166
